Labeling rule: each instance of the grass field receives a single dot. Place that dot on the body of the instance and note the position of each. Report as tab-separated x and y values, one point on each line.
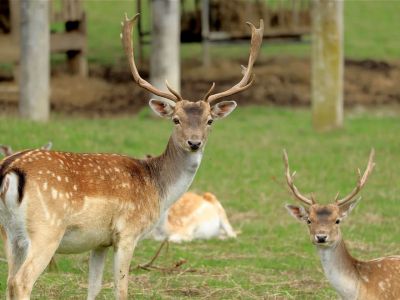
370	32
272	257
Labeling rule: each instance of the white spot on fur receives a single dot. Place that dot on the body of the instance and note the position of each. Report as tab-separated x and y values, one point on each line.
45	186
54	193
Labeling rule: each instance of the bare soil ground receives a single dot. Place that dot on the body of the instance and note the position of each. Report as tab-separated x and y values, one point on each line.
279	81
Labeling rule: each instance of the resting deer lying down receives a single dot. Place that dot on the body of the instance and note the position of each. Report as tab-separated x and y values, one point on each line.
350	277
64	202
194	217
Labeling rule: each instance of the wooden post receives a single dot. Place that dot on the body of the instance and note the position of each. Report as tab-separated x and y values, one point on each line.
165	44
35	60
15	32
327	64
76	59
76	21
205	31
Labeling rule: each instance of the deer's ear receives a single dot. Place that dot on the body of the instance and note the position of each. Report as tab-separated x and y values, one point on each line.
298	212
47	146
6	150
161	107
345	209
222	109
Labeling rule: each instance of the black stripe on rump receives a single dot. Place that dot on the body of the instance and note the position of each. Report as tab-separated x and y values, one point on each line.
5	168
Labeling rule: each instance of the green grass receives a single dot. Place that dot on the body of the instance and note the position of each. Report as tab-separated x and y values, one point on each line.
242	165
370	32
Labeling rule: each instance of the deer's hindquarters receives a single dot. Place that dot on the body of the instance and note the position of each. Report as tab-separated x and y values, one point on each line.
13	212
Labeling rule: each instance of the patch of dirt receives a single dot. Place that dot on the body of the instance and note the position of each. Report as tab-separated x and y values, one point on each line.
279	81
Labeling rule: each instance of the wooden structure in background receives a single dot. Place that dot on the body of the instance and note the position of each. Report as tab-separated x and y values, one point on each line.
209	21
223	20
71	40
282	18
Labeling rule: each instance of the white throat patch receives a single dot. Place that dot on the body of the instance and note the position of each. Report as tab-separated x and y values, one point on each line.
183	182
339	278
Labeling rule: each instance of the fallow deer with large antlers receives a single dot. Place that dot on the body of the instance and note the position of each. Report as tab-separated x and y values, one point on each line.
350	277
64	202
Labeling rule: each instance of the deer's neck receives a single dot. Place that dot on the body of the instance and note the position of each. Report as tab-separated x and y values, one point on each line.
339	268
173	172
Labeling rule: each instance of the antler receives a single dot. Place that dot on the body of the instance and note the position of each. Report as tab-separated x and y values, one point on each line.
126	37
289	179
248	76
361	180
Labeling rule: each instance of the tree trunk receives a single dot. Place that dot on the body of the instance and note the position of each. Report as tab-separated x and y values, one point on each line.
35	60
327	64
165	42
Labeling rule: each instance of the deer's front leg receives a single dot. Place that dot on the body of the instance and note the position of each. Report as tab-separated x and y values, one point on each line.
96	267
123	251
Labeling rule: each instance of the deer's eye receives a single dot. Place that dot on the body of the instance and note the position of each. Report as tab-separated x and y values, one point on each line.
209	122
308	221
176	121
337	221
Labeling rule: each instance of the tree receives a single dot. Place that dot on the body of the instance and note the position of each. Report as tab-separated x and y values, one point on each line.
35	60
327	64
165	42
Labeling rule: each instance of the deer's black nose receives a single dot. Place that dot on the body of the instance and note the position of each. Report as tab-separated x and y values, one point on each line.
194	145
321	238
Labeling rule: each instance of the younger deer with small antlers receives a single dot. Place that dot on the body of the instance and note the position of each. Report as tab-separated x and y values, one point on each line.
71	203
350	277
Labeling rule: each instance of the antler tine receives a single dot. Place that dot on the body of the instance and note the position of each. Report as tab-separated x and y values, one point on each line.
337	196
177	95
126	37
361	179
248	76
289	179
209	92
